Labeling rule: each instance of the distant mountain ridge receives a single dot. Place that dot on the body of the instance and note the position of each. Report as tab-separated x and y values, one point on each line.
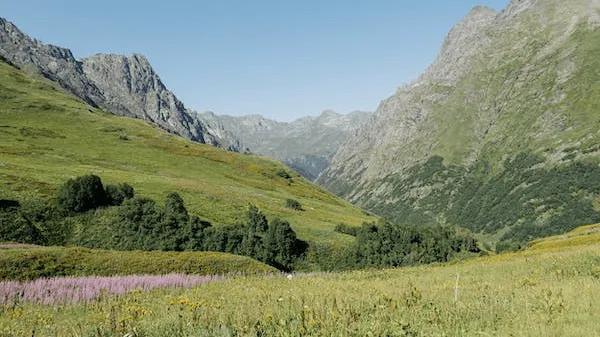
306	144
125	85
499	134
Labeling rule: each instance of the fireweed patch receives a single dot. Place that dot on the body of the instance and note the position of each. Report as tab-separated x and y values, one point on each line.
62	290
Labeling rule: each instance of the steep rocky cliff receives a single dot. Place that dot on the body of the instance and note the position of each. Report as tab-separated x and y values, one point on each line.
500	134
124	85
306	144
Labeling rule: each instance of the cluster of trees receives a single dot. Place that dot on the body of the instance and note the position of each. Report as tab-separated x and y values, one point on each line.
390	245
35	221
87	192
87	213
142	224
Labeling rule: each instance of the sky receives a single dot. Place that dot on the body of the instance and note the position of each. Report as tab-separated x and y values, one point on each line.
279	58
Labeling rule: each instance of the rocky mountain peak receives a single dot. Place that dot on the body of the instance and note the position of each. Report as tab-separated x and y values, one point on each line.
125	85
52	62
464	40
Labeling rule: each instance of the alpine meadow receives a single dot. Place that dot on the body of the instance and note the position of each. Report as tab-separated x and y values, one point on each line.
466	204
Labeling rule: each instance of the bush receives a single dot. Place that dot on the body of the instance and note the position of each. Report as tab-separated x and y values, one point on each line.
34	222
293	204
82	194
283	174
346	229
116	194
281	246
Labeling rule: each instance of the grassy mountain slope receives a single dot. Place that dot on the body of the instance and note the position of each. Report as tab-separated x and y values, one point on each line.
500	135
25	263
537	292
47	136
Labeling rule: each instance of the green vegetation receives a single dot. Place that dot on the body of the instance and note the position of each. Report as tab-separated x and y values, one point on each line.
47	137
540	292
344	228
523	201
293	204
35	262
140	224
82	216
510	151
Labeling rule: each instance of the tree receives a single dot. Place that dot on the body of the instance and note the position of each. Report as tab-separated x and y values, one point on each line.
257	221
136	225
116	194
195	233
169	234
280	244
82	194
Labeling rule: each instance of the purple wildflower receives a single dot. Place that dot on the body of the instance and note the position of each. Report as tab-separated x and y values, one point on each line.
62	290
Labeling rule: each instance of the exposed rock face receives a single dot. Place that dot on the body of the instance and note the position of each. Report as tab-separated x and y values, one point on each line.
506	110
55	63
306	144
124	85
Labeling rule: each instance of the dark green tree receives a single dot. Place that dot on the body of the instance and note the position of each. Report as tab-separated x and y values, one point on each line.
257	221
82	194
170	233
281	245
116	194
196	233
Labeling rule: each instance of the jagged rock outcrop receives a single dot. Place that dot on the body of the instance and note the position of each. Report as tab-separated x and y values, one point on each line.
124	85
306	144
508	109
52	62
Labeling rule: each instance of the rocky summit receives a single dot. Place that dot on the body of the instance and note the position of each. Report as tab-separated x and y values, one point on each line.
500	134
125	85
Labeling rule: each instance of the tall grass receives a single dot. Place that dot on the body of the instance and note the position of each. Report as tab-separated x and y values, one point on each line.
548	292
62	290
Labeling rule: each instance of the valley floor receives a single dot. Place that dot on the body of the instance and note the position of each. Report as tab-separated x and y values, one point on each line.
551	289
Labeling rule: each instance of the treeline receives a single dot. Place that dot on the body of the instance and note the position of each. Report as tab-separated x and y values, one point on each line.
393	245
87	213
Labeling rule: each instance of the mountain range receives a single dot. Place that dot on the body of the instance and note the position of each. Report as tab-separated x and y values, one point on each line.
129	86
306	144
124	85
499	134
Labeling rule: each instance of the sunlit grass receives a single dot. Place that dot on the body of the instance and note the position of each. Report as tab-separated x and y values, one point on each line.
549	292
47	136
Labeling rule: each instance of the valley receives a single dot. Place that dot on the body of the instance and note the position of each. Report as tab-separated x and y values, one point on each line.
466	204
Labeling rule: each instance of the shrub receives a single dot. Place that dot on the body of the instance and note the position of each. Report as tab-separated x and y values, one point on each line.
116	194
34	222
346	229
82	194
293	204
281	246
283	174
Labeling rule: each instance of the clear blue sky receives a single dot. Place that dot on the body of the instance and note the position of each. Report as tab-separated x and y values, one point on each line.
283	59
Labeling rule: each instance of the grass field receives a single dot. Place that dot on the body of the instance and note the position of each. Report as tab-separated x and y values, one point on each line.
552	290
48	136
34	262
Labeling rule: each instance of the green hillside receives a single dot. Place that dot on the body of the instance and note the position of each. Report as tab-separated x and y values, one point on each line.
47	136
508	147
539	292
35	262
